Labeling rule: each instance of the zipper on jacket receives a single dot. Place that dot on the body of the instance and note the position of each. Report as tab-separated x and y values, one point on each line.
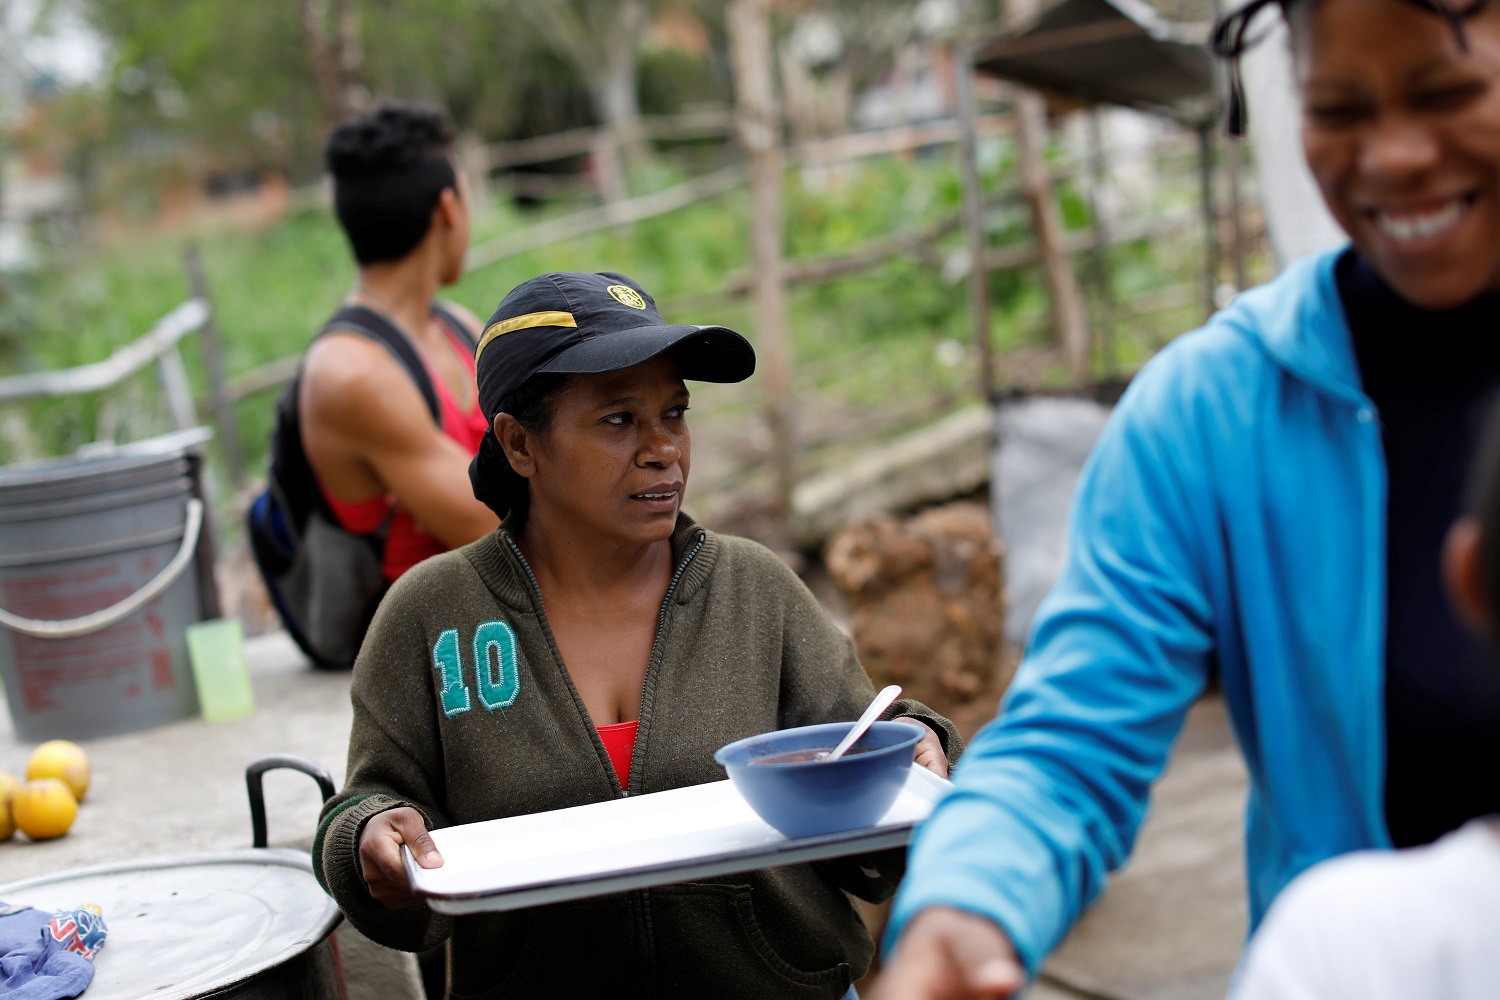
661	619
536	588
661	626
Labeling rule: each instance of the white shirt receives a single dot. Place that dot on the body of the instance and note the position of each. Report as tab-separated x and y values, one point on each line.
1404	925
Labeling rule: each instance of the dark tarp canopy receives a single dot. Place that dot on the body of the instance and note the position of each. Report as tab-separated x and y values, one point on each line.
1110	52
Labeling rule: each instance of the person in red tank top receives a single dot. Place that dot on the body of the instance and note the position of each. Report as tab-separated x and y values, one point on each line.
369	436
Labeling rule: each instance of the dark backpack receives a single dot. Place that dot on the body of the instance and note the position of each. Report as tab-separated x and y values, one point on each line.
325	581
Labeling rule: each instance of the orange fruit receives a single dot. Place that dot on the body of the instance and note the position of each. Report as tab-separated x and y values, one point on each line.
44	808
62	760
8	786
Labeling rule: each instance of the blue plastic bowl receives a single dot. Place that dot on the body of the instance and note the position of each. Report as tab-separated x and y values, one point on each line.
809	798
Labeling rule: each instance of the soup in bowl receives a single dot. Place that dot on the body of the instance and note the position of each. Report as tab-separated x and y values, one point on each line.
788	784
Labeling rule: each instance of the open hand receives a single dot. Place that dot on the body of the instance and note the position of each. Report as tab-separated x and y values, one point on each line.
949	954
380	855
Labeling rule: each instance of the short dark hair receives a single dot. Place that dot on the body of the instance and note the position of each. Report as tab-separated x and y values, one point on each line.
495	483
389	168
1232	38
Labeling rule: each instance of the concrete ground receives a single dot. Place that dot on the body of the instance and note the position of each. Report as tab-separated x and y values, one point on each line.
1169	927
1172	922
180	789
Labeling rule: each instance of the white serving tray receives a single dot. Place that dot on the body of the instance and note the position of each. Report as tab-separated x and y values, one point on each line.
632	843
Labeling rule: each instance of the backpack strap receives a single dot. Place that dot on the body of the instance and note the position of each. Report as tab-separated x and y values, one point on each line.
368	323
458	326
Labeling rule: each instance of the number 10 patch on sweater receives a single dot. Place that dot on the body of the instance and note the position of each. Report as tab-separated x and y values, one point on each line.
496	666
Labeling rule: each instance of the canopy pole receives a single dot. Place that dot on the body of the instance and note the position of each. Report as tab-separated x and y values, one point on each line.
979	285
1210	217
1068	318
1234	167
1099	255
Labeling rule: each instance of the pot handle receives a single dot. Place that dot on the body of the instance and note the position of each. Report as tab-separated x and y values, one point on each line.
256	771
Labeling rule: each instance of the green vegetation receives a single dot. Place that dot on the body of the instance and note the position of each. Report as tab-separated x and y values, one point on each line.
873	352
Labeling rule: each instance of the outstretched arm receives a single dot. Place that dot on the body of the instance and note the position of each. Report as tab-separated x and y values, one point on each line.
954	955
1049	796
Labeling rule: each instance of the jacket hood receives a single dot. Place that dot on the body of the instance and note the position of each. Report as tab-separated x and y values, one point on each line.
1300	321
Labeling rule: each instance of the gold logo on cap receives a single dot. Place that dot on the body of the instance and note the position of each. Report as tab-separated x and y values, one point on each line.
626	296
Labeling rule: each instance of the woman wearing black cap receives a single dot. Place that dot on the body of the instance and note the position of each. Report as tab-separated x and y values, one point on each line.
1267	506
600	643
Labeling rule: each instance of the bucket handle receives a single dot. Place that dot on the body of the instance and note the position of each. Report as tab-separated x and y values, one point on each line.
96	620
254	775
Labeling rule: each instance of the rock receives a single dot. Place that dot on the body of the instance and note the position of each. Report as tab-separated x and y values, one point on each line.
934	464
928	604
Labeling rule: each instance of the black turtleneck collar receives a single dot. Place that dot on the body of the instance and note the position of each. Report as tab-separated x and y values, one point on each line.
1431	375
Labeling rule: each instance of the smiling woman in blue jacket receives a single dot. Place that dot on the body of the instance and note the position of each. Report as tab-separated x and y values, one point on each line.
1267	505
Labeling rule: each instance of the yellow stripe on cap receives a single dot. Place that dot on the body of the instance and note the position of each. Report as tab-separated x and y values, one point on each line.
528	322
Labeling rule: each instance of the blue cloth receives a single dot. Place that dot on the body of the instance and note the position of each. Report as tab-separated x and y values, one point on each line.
34	964
1231	518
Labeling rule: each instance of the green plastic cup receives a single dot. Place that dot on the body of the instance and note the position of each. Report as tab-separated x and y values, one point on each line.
216	649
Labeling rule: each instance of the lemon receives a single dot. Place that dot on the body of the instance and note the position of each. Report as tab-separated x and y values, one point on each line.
8	786
62	760
44	808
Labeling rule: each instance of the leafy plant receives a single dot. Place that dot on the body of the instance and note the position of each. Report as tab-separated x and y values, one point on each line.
894	332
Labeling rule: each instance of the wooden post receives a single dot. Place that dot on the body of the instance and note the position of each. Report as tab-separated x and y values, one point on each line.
1210	216
1235	168
979	284
474	160
1068	317
213	362
760	131
1099	252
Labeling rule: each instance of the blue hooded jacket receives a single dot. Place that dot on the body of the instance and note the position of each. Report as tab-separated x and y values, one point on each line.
1231	519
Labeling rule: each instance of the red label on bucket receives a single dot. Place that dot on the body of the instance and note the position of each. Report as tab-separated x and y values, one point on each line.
98	673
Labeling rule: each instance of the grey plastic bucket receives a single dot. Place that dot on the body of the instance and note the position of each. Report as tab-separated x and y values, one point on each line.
96	591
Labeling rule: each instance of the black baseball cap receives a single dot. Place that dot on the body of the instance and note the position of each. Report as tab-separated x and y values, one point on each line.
577	323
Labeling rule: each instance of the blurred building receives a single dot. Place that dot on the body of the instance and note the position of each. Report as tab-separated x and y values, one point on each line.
39	199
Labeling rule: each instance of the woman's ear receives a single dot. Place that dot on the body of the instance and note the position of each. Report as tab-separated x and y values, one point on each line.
447	207
1463	573
518	443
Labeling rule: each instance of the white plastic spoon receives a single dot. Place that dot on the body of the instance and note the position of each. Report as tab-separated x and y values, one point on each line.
882	701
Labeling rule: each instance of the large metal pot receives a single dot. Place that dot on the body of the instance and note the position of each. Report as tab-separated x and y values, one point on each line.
243	924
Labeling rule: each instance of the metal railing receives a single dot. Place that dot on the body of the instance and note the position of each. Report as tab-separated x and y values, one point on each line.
159	345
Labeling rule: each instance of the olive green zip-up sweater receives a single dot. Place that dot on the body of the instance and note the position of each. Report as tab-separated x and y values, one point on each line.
742	648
